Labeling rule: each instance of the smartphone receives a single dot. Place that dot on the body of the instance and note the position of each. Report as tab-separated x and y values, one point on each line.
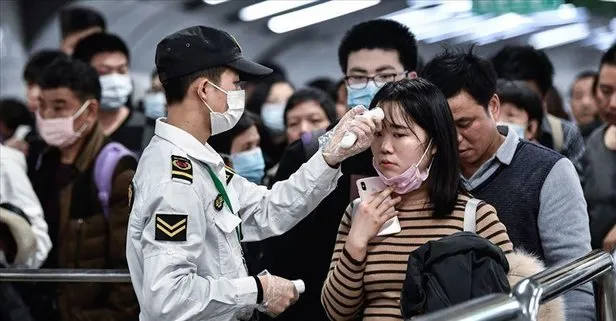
368	188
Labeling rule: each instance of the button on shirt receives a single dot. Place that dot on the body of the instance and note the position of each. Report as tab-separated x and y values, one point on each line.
200	275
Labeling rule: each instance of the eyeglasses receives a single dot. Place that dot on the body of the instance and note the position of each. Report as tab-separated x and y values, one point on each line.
360	81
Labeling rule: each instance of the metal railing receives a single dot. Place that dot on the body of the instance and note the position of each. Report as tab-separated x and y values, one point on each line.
64	275
523	303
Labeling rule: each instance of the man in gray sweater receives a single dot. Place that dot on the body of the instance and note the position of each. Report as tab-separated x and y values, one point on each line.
536	191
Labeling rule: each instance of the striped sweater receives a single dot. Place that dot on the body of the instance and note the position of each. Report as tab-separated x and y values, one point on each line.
372	288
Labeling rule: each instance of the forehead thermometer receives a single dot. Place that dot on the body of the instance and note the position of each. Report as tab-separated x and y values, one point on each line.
350	138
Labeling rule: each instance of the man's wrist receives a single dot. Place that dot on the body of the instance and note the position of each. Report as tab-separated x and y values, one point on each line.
331	163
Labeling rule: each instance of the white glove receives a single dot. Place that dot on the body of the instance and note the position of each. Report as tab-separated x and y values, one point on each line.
334	151
278	294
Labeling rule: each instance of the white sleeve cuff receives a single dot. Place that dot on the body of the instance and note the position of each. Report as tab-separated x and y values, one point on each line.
246	290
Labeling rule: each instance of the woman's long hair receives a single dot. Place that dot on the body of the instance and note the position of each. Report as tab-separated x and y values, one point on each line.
425	105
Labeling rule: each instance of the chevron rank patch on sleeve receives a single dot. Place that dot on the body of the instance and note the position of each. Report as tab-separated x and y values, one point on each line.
171	227
181	169
229	172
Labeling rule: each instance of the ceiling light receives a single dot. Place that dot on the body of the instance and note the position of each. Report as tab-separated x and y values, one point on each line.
269	8
559	36
318	13
213	2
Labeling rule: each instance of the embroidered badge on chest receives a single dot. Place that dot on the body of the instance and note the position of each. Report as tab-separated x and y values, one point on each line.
219	202
181	169
171	227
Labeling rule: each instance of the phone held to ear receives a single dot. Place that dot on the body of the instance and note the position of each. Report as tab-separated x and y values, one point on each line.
368	188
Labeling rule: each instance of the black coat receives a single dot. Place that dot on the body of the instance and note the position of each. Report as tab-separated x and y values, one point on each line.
452	270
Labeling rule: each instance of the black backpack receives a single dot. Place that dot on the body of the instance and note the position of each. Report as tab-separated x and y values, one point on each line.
452	270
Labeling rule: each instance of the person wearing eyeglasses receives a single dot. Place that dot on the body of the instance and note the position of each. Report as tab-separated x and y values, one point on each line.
370	54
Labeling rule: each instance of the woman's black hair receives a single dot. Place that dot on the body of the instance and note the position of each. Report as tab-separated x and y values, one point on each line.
311	94
425	105
222	142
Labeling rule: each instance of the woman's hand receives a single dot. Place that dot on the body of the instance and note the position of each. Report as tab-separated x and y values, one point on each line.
368	220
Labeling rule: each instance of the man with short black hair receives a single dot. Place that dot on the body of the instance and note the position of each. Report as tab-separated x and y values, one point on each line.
109	55
370	54
34	69
81	181
77	23
189	212
535	190
533	66
600	185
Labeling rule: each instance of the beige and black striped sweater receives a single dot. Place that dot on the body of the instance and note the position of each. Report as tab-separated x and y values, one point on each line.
372	288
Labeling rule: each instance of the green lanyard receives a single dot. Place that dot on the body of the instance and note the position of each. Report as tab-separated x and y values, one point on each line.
221	189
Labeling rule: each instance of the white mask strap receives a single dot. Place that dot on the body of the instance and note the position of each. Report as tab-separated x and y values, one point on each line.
81	109
425	152
224	91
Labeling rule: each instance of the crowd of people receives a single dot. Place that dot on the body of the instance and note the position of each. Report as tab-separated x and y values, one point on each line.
225	182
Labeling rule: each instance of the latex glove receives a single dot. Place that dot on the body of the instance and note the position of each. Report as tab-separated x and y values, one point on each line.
363	127
278	294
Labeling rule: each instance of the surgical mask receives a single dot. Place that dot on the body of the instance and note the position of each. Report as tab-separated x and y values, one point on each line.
59	132
221	122
516	128
272	115
250	165
115	89
154	105
361	96
408	181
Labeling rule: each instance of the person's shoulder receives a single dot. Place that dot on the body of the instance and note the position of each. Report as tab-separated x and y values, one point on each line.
537	151
12	155
596	137
570	128
464	198
162	161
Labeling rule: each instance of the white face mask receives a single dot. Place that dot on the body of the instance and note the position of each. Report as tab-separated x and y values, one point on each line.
516	128
115	89
272	115
221	122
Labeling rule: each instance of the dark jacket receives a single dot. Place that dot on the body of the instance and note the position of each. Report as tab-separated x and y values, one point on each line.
82	237
452	270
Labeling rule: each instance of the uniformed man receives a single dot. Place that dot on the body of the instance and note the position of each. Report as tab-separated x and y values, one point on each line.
189	213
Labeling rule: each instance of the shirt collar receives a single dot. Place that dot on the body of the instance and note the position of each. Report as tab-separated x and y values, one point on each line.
188	143
506	151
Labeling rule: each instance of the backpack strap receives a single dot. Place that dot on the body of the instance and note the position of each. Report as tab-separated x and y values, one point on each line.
310	140
470	214
104	167
558	137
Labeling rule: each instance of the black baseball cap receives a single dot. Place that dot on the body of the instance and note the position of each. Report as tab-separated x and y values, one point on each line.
198	48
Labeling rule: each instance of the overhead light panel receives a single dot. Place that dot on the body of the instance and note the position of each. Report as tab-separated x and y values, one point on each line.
213	2
269	8
318	13
559	36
